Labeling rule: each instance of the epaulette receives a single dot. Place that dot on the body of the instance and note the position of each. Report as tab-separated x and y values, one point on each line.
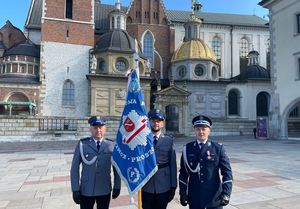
109	140
84	139
169	136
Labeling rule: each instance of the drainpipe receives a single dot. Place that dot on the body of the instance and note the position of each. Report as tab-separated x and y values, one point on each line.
231	47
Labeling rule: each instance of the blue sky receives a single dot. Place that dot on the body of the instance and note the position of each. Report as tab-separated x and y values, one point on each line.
16	10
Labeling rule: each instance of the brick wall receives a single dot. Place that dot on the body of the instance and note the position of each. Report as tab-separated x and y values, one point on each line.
29	91
78	30
11	35
164	34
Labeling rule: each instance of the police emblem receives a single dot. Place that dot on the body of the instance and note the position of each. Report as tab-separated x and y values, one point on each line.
134	86
133	174
134	130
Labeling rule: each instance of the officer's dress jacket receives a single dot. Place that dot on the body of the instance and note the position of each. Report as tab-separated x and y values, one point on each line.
166	175
203	185
95	178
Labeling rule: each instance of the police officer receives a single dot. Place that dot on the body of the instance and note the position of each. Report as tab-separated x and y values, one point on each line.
94	183
199	181
160	189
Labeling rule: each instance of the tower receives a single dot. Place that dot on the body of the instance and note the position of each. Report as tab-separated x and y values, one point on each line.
67	35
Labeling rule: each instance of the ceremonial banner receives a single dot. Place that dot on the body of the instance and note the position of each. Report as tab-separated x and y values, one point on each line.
133	155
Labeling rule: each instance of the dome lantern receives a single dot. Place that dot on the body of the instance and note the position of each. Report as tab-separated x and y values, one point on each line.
192	26
117	17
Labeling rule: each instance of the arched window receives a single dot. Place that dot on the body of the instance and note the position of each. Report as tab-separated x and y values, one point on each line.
244	50
262	104
68	96
233	103
189	32
216	47
214	73
112	22
101	66
148	47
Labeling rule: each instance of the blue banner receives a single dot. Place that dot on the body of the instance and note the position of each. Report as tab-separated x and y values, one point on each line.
133	155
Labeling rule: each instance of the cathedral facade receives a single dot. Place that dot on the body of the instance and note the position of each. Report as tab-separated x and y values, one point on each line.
190	62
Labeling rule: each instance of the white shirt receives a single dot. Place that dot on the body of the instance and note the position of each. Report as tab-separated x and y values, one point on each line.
100	140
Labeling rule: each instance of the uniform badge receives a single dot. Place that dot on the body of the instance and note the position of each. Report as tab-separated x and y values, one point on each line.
208	154
86	156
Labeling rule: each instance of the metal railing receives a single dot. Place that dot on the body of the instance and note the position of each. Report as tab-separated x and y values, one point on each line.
57	125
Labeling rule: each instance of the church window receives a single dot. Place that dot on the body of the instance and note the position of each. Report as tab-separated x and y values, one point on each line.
214	73
148	48
121	64
69	9
298	23
112	22
233	103
195	35
244	50
199	70
68	96
262	104
138	14
182	71
216	47
101	66
189	32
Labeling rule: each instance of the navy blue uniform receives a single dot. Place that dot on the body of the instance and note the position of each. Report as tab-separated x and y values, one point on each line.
199	174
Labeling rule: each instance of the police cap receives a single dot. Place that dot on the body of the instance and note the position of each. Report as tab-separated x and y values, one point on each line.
202	120
156	114
97	121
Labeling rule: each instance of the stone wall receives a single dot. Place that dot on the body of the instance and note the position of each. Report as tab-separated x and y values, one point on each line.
17	128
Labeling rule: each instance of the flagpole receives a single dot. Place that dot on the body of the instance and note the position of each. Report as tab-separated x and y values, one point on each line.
136	63
140	199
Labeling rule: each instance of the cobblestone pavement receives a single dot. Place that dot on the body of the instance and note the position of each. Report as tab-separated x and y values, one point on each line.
36	175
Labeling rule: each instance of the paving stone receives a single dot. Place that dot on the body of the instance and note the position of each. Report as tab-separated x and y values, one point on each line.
36	175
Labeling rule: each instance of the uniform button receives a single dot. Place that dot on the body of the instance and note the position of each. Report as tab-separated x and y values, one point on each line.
202	181
201	174
201	159
201	166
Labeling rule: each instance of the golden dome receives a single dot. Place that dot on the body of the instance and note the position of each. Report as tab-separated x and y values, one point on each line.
194	49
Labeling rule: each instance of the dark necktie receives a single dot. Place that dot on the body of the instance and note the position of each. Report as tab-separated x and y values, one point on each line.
155	140
201	145
98	145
